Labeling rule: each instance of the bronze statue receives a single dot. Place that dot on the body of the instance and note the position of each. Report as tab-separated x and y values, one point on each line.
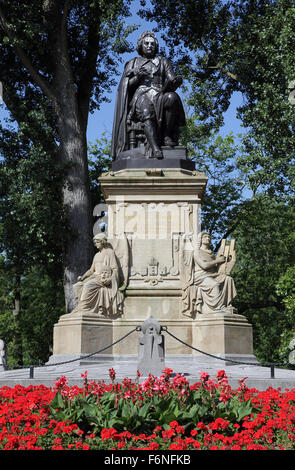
148	112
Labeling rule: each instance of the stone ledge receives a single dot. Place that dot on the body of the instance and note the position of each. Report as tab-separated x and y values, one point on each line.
135	163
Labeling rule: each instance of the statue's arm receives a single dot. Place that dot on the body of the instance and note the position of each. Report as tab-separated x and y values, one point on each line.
172	80
133	74
88	273
206	265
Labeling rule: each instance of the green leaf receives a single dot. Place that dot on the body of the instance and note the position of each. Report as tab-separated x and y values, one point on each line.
57	401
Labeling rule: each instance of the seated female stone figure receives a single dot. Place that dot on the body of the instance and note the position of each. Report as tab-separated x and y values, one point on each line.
97	290
206	290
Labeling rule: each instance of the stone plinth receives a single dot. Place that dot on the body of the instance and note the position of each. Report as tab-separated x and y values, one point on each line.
82	333
226	335
153	208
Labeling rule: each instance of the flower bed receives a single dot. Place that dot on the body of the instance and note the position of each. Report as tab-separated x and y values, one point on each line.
163	413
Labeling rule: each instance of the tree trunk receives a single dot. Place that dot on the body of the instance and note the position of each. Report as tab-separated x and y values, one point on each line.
78	247
18	343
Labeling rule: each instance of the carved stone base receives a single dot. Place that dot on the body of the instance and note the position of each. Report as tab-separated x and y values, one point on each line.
224	335
154	208
82	333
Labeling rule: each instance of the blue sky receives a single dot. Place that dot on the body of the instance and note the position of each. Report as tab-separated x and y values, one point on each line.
102	119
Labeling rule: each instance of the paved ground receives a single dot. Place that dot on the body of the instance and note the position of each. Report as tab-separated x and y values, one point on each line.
257	376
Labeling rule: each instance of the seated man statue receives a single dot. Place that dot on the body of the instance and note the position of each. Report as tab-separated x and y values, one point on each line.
146	95
97	290
207	288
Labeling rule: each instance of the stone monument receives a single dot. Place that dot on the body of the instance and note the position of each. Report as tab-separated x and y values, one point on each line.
148	112
153	259
207	285
151	348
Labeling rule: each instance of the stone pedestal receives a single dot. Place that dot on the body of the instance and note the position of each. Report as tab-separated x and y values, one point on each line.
153	208
226	335
82	333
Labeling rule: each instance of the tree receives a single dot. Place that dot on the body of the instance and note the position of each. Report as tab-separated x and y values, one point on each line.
31	234
223	47
61	57
265	247
28	330
285	289
32	228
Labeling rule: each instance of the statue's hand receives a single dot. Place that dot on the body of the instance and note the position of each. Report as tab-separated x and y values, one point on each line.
220	259
140	72
176	82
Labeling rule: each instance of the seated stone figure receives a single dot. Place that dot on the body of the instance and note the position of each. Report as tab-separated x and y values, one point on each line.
206	288
98	290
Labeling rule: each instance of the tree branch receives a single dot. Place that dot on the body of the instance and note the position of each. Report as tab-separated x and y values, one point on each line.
36	76
89	66
221	68
64	40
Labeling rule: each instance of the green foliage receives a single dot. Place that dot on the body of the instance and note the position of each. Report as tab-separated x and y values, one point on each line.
100	161
223	201
111	410
31	211
56	59
285	289
28	333
265	246
32	227
224	47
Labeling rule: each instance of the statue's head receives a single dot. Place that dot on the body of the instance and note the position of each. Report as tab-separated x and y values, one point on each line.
201	238
147	44
105	273
100	240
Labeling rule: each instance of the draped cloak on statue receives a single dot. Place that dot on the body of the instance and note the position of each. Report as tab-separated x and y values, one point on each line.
128	96
202	283
93	295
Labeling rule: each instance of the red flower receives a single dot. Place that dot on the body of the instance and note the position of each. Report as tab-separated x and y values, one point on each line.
173	424
112	374
153	446
168	434
204	376
220	374
176	446
108	433
201	425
